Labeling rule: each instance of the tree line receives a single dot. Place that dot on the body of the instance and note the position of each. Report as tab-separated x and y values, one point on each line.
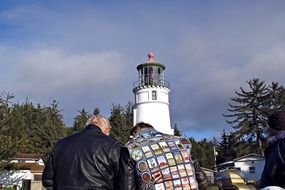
28	128
34	128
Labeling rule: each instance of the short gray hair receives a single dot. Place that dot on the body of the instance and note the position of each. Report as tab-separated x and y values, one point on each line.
98	120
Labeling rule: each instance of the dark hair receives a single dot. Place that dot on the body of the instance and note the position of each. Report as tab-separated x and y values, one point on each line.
277	120
140	126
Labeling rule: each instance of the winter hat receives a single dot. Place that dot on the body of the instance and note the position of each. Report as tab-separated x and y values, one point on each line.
277	120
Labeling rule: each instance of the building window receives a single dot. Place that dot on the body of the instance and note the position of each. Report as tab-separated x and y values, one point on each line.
252	170
154	96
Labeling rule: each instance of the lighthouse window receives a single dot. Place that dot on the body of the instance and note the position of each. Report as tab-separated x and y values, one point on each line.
154	96
159	70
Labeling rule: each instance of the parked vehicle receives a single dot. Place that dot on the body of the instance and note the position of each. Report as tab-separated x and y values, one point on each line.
232	179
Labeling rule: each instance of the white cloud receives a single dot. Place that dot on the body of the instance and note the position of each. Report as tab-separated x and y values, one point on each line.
42	71
269	65
76	80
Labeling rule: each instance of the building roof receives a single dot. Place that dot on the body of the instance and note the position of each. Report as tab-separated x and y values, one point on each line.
33	167
258	156
28	156
225	163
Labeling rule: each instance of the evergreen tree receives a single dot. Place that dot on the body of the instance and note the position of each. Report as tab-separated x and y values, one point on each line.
8	147
49	128
208	159
247	112
204	152
36	127
27	128
244	147
24	123
196	150
128	113
96	111
226	148
176	130
80	120
121	122
276	98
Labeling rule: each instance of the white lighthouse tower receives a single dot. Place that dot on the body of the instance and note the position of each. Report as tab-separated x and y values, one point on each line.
152	96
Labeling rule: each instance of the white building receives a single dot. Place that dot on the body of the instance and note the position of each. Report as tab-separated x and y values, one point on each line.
10	178
251	165
152	96
27	172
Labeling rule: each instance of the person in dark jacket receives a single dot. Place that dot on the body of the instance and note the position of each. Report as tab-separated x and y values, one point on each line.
164	161
274	169
89	159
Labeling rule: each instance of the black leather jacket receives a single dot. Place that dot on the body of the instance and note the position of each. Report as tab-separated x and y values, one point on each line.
274	169
89	160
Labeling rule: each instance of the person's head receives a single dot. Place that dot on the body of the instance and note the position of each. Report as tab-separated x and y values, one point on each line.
101	122
137	128
276	123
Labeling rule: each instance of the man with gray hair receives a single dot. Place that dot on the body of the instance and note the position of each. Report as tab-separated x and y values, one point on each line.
89	159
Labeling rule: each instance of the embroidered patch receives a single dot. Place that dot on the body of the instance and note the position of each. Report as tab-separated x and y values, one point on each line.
142	166
146	177
137	154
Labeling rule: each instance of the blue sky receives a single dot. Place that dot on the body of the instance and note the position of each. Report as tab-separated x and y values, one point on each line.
84	53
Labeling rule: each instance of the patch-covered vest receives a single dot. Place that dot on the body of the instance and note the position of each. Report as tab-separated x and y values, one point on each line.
162	161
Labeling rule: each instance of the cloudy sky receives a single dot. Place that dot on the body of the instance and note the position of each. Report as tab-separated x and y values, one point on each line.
84	53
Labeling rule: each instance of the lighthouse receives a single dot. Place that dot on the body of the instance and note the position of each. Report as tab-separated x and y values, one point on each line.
152	96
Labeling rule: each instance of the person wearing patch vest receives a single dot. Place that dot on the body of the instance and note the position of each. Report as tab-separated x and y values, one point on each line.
164	162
